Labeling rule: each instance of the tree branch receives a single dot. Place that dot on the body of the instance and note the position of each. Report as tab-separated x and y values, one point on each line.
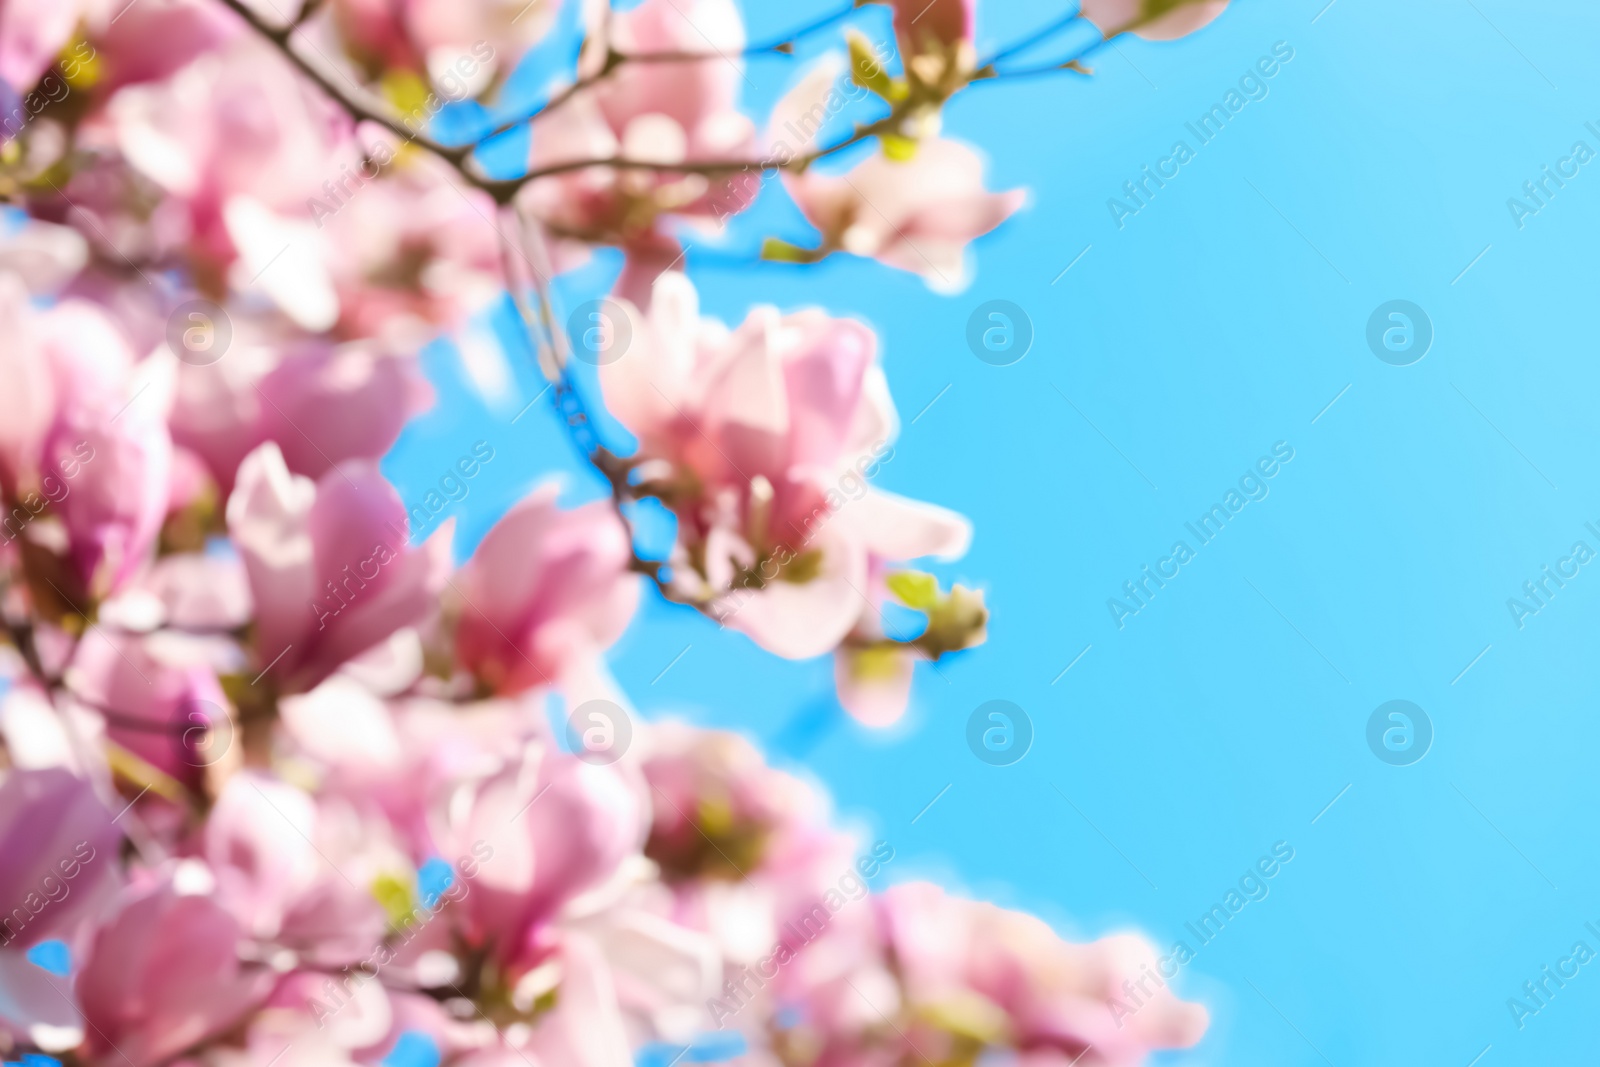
459	156
364	110
615	59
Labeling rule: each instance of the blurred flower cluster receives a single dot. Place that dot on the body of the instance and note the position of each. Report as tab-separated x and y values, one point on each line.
279	782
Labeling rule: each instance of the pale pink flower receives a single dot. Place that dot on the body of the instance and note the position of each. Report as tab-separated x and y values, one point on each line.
1112	17
585	821
766	439
918	215
149	41
61	854
240	143
586	1029
27	403
318	1019
238	121
203	593
462	44
83	426
1034	990
61	865
692	772
585	1026
655	112
873	668
403	758
545	593
874	686
163	972
159	700
32	33
114	505
42	255
332	572
270	846
409	249
321	403
68	354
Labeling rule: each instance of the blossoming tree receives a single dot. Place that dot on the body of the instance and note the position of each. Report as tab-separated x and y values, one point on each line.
278	782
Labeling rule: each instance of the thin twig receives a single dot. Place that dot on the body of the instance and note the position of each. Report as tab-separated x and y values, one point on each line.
1049	30
781	46
366	111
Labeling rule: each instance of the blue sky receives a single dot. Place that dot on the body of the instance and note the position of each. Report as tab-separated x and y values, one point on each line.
1226	318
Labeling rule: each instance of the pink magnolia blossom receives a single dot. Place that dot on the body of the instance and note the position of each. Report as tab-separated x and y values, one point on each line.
332	572
33	32
545	593
115	504
321	403
767	437
148	42
462	44
873	668
42	255
407	249
874	685
199	592
939	22
317	1018
401	758
584	1028
240	144
27	404
746	849
656	112
917	215
1174	20
60	849
70	354
966	970
556	827
163	973
159	700
270	845
698	774
280	196
85	427
61	854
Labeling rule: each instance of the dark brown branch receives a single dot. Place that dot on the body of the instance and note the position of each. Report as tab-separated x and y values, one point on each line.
503	191
364	110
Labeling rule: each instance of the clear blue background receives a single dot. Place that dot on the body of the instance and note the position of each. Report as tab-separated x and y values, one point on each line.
1229	713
